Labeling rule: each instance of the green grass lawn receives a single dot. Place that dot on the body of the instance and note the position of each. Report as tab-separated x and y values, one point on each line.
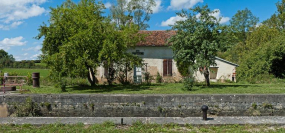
170	88
277	87
24	72
40	64
138	127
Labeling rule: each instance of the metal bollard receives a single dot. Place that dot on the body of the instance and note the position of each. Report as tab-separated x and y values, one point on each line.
204	109
36	79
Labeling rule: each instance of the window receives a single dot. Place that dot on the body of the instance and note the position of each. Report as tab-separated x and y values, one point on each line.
213	72
167	67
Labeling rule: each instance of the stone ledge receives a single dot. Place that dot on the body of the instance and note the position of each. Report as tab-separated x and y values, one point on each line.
262	120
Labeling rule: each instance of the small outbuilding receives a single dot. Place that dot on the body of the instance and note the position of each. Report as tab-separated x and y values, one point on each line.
158	59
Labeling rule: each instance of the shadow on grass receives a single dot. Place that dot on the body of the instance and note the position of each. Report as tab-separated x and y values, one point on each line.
112	88
222	86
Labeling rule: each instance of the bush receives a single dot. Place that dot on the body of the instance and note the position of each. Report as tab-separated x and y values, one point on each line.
62	83
46	81
188	82
122	79
29	79
147	78
81	82
158	78
262	78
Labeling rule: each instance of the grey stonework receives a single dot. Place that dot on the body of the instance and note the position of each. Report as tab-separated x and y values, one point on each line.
100	105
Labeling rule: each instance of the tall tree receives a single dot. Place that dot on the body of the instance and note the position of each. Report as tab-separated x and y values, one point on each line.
79	39
277	20
5	59
241	23
126	12
197	40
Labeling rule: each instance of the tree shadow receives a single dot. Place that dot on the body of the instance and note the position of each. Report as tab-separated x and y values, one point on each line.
223	86
112	88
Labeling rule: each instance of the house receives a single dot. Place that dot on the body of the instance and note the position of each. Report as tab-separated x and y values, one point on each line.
158	58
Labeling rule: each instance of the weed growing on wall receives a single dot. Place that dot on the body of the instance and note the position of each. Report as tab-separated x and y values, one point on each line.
28	108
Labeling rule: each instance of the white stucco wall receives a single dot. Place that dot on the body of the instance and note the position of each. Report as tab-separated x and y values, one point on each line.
224	71
154	57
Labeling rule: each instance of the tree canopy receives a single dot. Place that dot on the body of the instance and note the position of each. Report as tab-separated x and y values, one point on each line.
241	23
197	40
132	12
79	38
264	55
5	58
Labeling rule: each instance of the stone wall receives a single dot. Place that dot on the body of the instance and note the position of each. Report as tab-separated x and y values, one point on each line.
99	105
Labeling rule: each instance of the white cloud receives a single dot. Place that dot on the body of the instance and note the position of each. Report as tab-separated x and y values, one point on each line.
11	25
158	6
155	9
183	4
108	5
37	48
35	56
16	24
6	43
172	20
12	12
27	56
218	15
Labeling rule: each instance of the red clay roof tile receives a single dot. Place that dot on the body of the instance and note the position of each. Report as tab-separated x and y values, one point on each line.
156	38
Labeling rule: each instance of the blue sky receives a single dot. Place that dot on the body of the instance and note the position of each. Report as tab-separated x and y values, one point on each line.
20	19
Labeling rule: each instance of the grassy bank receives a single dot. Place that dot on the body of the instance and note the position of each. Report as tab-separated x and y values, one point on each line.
138	127
24	72
169	88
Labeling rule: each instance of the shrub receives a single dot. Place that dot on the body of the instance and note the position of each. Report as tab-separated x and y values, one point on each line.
147	78
82	82
158	78
122	78
46	81
188	82
29	79
61	84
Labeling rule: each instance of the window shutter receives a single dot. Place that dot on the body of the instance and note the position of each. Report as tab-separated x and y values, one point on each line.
169	67
164	67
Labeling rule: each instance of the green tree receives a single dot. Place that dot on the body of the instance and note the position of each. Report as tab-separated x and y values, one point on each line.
277	20
241	23
79	39
268	58
197	40
5	59
133	11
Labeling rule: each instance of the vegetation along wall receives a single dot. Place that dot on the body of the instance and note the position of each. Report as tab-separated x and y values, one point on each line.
97	105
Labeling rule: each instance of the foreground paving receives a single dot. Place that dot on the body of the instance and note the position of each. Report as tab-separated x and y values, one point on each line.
261	120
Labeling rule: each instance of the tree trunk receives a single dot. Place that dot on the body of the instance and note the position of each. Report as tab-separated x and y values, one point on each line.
206	75
91	75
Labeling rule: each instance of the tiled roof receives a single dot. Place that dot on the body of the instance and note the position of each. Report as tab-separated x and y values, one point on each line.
156	38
